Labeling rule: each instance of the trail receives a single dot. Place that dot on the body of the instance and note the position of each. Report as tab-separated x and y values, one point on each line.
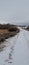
16	51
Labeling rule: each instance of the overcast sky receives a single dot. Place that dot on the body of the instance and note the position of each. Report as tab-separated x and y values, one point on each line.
14	11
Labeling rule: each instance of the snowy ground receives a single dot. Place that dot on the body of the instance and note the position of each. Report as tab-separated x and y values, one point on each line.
16	51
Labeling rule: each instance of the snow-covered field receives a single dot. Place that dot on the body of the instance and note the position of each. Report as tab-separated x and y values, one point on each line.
16	50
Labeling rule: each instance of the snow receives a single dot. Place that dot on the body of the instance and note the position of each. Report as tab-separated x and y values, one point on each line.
16	51
22	49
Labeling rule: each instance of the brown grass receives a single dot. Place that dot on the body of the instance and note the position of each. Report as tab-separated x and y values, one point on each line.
6	33
3	31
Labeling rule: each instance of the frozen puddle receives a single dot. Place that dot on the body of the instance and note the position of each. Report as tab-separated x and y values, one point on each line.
16	50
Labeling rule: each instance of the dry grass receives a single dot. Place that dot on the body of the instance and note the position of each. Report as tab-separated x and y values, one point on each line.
3	31
6	33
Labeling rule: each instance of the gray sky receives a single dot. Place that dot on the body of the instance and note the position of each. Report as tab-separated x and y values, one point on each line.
14	11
